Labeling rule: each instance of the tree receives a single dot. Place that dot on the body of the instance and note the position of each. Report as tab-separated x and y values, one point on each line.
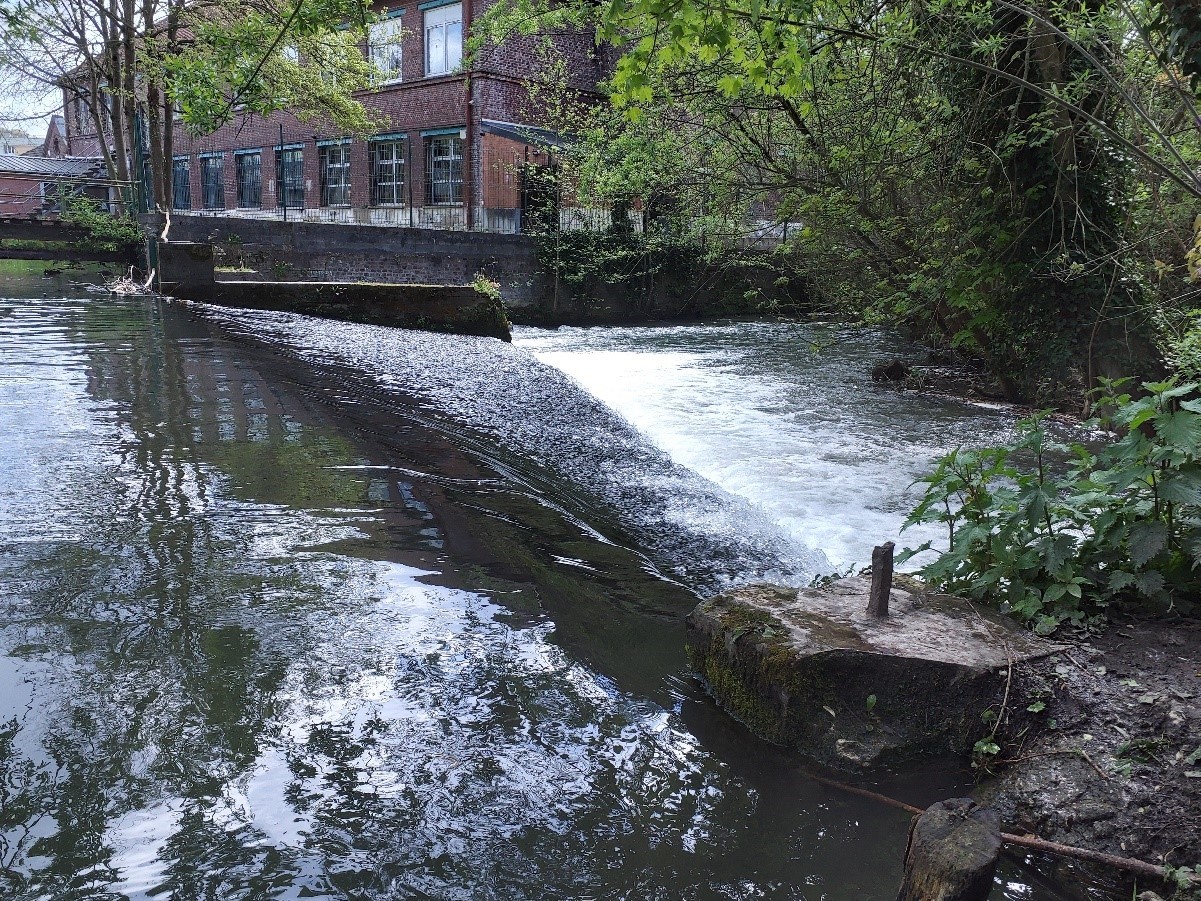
125	62
999	176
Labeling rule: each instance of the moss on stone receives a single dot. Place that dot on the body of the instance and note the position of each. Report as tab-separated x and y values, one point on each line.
803	680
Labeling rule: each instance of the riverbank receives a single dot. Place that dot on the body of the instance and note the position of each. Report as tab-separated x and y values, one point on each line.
1100	745
1088	741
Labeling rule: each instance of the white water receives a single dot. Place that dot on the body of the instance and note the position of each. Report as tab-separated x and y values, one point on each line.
783	415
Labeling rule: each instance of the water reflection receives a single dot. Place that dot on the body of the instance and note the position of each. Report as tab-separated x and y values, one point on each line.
259	644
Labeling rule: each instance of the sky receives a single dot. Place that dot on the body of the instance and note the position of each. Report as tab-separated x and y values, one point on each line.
25	107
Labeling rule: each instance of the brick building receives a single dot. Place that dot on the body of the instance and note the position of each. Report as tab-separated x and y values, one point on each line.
451	154
30	184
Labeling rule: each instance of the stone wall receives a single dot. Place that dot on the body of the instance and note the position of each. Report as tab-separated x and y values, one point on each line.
186	271
686	288
318	252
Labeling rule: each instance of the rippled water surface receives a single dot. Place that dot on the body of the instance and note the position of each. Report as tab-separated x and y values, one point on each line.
296	609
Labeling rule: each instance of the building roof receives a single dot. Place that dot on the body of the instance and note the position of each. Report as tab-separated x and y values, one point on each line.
47	167
525	134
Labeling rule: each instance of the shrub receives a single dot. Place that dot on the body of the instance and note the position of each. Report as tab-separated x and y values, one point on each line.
490	288
1053	542
102	230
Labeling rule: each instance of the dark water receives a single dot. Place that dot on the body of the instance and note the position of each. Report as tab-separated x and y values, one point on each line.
271	627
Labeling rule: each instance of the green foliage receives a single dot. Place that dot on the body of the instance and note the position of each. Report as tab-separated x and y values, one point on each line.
1015	180
486	286
239	58
1122	522
102	230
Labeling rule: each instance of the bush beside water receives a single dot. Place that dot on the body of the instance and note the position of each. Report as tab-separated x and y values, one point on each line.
1121	524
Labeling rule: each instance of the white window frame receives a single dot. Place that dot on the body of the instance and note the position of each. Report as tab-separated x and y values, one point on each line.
384	48
446	23
389	174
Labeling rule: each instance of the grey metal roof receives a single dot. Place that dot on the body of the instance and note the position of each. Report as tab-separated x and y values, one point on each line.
65	167
525	134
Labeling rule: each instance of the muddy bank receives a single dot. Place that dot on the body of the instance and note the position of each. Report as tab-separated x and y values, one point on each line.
1091	741
1100	745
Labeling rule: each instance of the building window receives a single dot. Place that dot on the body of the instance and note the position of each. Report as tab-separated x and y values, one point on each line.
249	170
334	160
289	176
83	115
388	172
181	183
444	169
383	45
212	181
443	39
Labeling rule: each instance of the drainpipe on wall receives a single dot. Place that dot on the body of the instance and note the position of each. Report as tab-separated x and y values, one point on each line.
468	143
280	193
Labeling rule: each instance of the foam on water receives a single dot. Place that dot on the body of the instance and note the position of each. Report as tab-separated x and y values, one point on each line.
782	415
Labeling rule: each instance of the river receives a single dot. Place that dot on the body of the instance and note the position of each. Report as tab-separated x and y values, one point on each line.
299	609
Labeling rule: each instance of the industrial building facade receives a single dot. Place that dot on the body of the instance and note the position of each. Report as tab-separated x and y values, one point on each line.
453	149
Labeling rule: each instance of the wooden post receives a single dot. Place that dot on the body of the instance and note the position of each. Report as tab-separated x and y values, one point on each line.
877	602
952	853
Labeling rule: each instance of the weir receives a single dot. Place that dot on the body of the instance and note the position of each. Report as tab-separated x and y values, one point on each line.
187	271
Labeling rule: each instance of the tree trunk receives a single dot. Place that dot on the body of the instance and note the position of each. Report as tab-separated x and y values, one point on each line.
952	853
129	86
154	111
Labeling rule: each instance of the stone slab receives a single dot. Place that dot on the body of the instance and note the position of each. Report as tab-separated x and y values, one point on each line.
811	670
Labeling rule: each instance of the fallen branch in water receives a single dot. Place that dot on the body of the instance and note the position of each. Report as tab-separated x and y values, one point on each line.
1033	842
128	285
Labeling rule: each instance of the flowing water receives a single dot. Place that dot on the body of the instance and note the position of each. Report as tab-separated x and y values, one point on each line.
782	415
299	609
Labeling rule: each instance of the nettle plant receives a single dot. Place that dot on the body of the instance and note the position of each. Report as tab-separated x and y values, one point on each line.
1054	533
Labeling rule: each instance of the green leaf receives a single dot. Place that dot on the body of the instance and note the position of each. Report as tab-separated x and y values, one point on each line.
1182	487
1149	584
1120	580
1180	431
1045	625
1147	540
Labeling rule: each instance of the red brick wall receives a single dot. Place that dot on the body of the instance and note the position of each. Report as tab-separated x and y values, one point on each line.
19	197
411	106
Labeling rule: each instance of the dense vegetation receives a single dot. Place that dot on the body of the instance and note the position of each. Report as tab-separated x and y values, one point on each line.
1014	180
101	229
1052	542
